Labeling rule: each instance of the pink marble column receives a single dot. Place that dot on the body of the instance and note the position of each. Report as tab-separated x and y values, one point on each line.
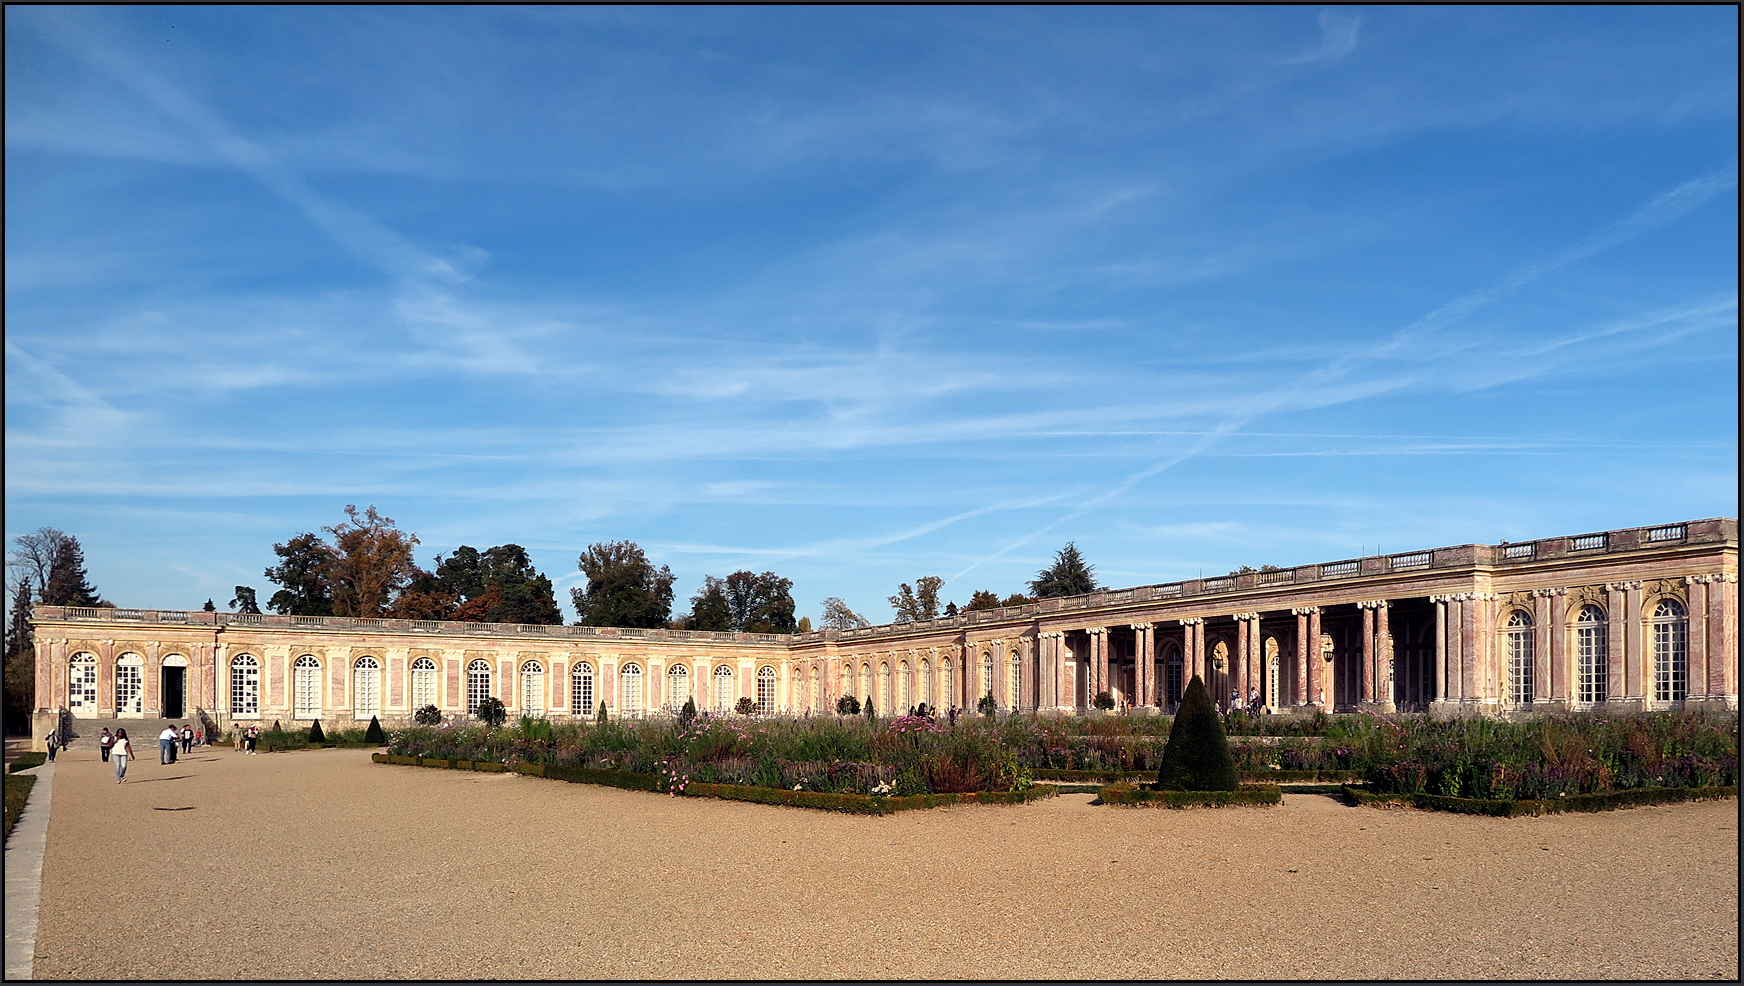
1639	684
1723	636
1697	588
1560	678
1541	644
1302	693
1316	662
1368	652
1384	654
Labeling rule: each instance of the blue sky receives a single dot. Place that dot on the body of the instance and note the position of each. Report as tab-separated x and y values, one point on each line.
860	295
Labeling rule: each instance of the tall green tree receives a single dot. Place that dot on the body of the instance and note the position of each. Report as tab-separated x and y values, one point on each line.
624	589
68	585
20	668
918	603
497	585
303	567
982	600
1069	575
1197	757
244	601
744	601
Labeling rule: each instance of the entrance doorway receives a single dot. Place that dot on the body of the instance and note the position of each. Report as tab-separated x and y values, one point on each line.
175	683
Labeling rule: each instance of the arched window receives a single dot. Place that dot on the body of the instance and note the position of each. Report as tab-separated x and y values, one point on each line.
478	685
1519	650
581	689
926	683
423	683
724	689
765	691
130	685
950	669
1670	631
677	686
1592	656
366	688
905	687
987	674
884	686
848	687
244	687
533	689
306	688
630	690
1015	684
82	684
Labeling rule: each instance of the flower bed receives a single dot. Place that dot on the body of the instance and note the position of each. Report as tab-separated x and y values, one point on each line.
1132	795
1539	759
1509	808
856	803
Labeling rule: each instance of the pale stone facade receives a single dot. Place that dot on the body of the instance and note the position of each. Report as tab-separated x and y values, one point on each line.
1637	618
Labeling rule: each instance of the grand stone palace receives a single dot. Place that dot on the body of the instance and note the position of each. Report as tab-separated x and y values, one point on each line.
1642	618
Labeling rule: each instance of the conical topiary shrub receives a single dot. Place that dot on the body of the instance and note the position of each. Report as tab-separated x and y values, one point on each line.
1197	757
315	733
374	733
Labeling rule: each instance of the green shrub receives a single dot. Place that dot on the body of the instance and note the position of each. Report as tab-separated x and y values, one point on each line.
745	706
871	712
1103	701
600	717
1197	757
988	706
847	705
687	715
315	733
374	735
491	712
17	793
429	715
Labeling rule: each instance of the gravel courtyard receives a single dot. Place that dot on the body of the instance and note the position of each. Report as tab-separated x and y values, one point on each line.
323	865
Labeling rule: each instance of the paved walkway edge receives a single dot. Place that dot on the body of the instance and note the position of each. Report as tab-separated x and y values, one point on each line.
24	852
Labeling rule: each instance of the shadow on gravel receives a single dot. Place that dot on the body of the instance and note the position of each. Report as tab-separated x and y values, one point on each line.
155	780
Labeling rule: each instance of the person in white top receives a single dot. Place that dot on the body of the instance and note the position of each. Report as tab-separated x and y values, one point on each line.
119	754
166	745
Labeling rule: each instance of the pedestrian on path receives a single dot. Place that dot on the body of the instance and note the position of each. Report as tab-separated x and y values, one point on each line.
119	753
53	737
104	742
251	738
166	745
239	732
187	738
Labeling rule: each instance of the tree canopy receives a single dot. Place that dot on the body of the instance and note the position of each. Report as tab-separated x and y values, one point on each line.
1069	575
371	563
837	616
68	585
302	570
624	589
921	602
497	585
244	601
744	601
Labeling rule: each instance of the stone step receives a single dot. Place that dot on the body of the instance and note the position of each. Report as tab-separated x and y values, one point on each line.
141	731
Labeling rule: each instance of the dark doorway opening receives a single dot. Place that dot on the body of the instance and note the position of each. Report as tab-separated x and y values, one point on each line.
174	691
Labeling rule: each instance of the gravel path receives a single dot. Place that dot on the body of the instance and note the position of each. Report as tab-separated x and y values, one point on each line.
322	865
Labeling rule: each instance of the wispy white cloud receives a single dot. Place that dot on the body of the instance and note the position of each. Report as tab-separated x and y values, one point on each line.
1338	34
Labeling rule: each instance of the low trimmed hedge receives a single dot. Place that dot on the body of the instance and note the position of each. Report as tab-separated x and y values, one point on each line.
26	761
1496	807
1247	776
17	795
1250	794
862	804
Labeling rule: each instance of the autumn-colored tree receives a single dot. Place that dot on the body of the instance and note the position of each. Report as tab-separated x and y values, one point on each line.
982	600
497	585
372	562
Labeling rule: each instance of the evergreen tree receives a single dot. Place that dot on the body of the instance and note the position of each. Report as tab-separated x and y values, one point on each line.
209	607
244	601
68	585
316	735
303	569
374	733
20	656
1069	575
1197	757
